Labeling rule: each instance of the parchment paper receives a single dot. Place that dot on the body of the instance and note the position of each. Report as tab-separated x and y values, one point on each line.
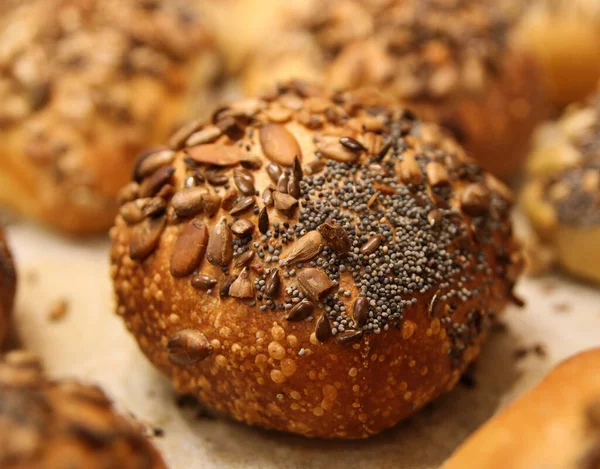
91	343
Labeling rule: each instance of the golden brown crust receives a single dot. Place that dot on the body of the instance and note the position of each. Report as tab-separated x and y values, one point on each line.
562	196
449	60
48	424
8	284
554	426
562	36
86	84
349	312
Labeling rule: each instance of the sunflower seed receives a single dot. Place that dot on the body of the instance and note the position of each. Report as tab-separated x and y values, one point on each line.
274	171
242	204
216	178
284	202
323	329
475	200
153	162
216	154
132	211
220	249
155	207
203	282
242	228
434	305
315	283
349	336
252	163
263	220
177	141
152	184
314	167
352	144
267	197
226	285
434	217
278	144
297	169
244	181
129	193
243	286
211	204
229	198
243	259
330	147
371	245
336	237
301	311
361	311
188	346
305	248
282	184
189	248
436	174
188	202
137	177
206	135
293	187
145	238
272	284
409	170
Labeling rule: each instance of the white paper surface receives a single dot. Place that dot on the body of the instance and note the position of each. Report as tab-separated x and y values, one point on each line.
91	343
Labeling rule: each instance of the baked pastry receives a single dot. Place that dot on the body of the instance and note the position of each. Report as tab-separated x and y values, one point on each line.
563	37
452	61
85	85
318	263
562	195
47	424
554	426
8	284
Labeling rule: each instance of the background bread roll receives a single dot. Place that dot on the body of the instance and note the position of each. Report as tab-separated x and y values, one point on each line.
85	85
554	426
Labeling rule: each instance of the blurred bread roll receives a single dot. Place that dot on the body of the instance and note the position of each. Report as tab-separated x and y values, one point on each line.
85	85
563	36
452	61
556	425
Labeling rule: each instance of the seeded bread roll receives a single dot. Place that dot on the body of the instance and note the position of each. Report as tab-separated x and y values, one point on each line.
8	283
86	84
562	196
47	424
554	426
322	264
563	37
449	60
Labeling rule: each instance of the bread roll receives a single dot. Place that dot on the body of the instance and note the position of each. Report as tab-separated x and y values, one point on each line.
318	263
562	195
563	37
8	283
554	426
451	61
47	424
85	85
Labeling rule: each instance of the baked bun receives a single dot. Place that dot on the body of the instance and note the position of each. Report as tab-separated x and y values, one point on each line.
8	284
451	61
563	37
326	266
554	426
47	424
562	195
85	85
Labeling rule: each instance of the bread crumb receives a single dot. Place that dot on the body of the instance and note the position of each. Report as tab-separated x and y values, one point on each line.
59	310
